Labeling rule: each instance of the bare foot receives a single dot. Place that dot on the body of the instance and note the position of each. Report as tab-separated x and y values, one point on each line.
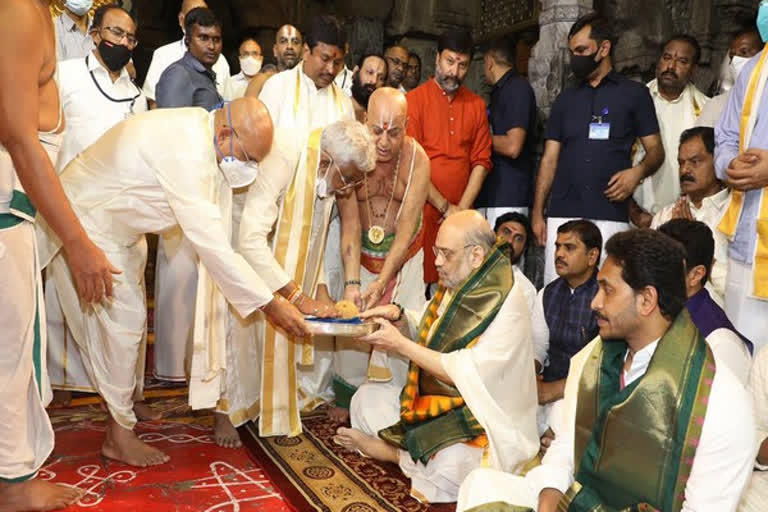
123	445
339	415
144	412
61	397
370	446
36	495
224	432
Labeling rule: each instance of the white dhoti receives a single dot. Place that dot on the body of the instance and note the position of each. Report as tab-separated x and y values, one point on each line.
747	313
353	361
755	495
484	486
110	334
607	228
175	292
26	435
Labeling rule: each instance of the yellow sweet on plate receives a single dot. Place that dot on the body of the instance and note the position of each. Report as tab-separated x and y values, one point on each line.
348	309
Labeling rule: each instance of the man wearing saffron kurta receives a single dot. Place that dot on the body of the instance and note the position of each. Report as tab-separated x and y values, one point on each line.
283	237
741	161
136	180
451	124
471	391
660	424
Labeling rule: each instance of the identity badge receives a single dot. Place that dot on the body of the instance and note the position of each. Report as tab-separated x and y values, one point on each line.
599	131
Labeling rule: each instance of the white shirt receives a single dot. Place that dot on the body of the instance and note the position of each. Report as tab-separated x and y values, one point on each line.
529	291
758	388
89	109
724	457
165	176
710	213
238	84
317	108
729	349
713	110
674	117
344	81
71	43
170	53
540	330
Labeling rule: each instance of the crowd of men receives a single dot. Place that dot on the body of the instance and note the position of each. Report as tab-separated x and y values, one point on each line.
627	382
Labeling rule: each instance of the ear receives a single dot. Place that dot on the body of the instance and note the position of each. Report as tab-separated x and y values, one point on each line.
696	275
478	256
647	301
307	51
605	48
356	69
593	256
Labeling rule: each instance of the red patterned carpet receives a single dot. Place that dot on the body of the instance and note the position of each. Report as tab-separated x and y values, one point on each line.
199	477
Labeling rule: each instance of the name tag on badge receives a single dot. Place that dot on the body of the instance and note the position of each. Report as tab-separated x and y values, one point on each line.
599	131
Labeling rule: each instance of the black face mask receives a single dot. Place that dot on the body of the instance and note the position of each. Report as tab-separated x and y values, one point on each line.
115	56
583	65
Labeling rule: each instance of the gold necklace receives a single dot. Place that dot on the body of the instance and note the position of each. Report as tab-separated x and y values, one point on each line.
376	233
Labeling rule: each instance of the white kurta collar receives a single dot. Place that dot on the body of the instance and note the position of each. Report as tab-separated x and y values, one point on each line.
640	362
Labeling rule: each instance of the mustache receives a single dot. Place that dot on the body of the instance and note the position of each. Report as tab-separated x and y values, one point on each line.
670	73
601	316
560	261
687	177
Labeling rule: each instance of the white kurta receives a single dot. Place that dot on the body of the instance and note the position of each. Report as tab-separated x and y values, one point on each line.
710	213
238	84
720	468
483	374
90	110
298	107
245	348
674	117
136	180
170	53
756	495
26	435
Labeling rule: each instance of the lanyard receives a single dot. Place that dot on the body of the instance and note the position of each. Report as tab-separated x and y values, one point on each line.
110	98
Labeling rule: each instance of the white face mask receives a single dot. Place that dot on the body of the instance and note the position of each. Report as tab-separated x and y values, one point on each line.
79	7
251	65
237	173
737	64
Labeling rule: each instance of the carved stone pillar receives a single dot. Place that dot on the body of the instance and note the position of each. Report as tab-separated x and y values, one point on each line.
548	67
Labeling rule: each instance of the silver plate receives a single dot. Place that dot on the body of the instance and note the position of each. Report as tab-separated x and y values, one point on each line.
339	329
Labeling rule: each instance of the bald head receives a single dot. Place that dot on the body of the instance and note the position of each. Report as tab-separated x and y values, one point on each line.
251	129
387	105
462	243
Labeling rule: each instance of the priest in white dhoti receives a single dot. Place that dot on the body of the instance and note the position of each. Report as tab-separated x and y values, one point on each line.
381	226
283	236
151	173
96	93
301	100
471	396
168	54
651	419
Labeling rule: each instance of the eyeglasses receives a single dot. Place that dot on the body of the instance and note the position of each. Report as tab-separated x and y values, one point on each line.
448	253
397	62
120	34
345	185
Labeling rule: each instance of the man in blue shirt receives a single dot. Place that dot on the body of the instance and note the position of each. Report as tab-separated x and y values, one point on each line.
512	116
743	165
191	81
587	157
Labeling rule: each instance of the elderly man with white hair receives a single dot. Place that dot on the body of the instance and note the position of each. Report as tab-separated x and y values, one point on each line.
471	389
283	233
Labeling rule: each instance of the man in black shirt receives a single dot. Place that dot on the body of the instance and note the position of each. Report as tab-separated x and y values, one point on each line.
586	163
512	117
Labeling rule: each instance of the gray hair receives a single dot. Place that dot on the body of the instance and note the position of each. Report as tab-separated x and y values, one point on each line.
481	235
349	143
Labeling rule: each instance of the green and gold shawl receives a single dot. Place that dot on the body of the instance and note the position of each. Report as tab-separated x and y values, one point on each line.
432	413
634	448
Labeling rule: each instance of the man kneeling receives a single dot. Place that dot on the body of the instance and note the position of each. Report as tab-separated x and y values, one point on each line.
471	387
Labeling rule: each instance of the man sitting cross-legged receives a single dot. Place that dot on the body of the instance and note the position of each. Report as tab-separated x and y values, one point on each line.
650	420
471	388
